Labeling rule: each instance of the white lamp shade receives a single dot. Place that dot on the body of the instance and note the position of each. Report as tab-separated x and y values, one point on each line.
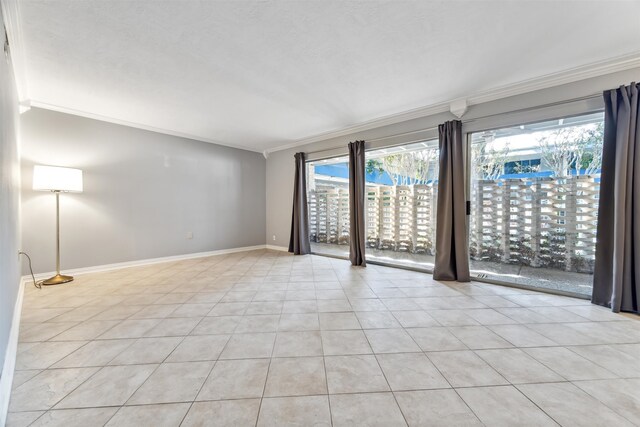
54	178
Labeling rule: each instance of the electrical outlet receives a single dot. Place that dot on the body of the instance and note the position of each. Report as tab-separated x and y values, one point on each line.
189	235
273	237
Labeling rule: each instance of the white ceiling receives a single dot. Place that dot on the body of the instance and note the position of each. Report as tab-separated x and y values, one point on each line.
261	74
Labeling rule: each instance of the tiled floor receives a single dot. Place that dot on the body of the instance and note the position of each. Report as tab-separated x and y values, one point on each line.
268	339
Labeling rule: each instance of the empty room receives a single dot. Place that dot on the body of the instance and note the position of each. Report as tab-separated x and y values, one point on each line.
319	213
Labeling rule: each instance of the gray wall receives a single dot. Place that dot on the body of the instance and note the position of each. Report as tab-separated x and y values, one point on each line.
143	192
9	198
280	165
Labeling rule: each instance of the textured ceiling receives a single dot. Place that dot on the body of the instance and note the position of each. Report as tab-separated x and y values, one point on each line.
259	74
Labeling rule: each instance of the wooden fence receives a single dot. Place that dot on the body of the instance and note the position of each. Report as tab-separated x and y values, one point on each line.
539	222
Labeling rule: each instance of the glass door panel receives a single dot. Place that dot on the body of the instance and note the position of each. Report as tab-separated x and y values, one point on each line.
401	195
534	203
328	201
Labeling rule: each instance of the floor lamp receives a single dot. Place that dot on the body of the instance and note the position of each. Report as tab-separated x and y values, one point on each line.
57	180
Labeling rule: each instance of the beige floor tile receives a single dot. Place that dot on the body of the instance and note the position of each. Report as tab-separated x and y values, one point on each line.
269	296
494	301
22	419
150	415
226	413
354	374
37	332
300	376
238	296
130	329
159	311
522	315
437	408
436	339
147	350
522	336
503	406
175	298
411	371
111	386
75	417
333	306
268	307
370	409
568	405
623	396
217	325
299	322
518	367
391	341
227	330
192	310
48	388
415	319
172	382
229	309
21	377
338	321
206	297
248	346
563	334
118	312
465	369
377	320
293	307
174	327
86	330
295	411
344	342
399	304
568	364
453	317
292	344
478	337
609	357
235	379
43	355
94	353
199	348
258	323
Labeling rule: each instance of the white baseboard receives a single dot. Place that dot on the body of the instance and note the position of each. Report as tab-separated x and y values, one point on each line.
278	248
141	262
6	381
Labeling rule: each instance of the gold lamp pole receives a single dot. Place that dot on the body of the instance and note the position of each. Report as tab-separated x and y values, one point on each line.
57	180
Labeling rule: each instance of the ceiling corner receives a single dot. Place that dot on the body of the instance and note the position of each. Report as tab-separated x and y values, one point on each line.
12	23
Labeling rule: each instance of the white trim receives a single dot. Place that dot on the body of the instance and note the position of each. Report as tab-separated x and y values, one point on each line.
11	14
6	381
149	261
278	248
595	69
61	109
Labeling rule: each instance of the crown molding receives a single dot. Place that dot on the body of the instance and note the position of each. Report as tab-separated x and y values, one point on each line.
61	109
12	23
594	69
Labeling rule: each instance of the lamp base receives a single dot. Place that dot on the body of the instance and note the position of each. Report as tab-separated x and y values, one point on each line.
58	279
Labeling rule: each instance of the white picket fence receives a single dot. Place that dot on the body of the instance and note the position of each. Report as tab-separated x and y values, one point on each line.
540	222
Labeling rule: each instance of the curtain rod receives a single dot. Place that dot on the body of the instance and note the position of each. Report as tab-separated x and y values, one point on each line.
519	110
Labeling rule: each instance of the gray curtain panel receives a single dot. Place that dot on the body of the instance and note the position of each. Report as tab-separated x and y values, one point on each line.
299	239
356	203
616	277
452	252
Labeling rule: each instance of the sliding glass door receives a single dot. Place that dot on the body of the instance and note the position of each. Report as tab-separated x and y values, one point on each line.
328	200
534	202
401	194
